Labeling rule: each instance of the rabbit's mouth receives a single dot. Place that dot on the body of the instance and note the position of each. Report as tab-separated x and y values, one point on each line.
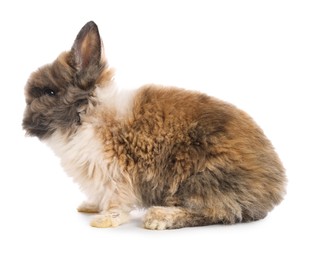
43	126
37	128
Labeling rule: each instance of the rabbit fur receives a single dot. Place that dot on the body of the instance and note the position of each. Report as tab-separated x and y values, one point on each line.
188	158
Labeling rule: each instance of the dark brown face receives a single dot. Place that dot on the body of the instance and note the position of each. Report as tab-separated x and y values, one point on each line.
56	93
53	100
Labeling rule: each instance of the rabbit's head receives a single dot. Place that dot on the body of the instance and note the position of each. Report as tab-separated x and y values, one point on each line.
57	93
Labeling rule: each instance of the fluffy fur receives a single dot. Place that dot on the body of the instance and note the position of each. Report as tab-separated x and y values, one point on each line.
189	158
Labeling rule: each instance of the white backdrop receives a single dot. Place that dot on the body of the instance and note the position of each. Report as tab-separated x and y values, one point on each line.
259	55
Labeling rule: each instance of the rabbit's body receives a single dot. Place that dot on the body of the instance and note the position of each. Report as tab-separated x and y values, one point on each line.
191	159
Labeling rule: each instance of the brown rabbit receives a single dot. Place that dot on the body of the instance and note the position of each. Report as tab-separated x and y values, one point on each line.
189	158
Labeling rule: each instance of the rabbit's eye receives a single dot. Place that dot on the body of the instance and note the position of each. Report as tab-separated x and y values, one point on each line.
49	92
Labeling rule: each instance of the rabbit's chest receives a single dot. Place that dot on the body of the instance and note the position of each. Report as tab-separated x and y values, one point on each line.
82	157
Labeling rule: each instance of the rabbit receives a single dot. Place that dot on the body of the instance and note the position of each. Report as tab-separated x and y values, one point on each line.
186	158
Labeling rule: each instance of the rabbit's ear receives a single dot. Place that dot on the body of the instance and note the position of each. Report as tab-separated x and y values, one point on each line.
87	48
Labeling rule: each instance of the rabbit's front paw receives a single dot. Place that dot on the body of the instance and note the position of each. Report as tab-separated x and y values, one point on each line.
112	219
